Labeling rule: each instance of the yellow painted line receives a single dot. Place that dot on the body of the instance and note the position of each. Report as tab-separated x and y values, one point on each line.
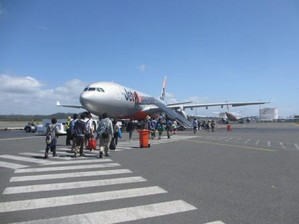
236	146
296	124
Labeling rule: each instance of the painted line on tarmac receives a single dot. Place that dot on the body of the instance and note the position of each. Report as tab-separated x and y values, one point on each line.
216	222
269	144
72	185
20	138
122	214
78	199
297	147
248	140
236	146
282	145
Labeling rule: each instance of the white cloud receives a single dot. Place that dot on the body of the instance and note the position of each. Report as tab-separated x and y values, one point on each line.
18	84
25	95
170	98
142	68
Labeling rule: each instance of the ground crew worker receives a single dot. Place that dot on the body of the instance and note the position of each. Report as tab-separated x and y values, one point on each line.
68	131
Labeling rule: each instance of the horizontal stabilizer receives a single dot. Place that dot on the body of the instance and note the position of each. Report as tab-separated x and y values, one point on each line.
71	106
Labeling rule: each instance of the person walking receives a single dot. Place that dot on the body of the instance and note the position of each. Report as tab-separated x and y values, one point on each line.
213	125
80	131
152	128
174	126
105	132
169	127
116	130
195	125
130	128
68	131
89	128
72	131
51	139
159	127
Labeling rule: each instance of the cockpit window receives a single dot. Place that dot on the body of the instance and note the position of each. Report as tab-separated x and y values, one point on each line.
85	89
100	90
91	89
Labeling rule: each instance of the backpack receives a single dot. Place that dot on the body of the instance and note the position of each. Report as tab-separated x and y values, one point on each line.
50	134
80	128
103	128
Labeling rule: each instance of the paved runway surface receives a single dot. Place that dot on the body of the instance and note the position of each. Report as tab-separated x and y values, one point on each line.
249	175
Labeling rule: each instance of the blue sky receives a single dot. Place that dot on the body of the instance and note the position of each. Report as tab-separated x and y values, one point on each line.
210	51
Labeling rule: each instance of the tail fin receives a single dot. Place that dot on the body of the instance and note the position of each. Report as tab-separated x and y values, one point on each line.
162	96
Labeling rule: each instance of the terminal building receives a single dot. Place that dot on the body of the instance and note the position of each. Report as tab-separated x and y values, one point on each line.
269	114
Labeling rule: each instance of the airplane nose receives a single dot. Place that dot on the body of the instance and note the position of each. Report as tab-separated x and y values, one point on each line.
85	100
89	102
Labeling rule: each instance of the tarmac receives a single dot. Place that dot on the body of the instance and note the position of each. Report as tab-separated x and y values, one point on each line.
247	175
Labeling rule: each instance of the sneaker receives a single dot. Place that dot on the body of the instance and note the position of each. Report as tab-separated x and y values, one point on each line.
75	155
46	155
54	155
82	154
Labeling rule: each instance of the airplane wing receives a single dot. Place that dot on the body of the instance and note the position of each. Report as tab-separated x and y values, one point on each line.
72	106
180	103
171	113
206	105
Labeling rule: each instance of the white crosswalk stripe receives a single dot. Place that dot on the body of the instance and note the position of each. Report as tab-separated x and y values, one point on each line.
11	165
229	139
71	185
78	199
122	214
48	169
69	175
75	161
24	159
40	155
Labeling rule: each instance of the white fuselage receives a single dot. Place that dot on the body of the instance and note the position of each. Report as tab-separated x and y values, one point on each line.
116	100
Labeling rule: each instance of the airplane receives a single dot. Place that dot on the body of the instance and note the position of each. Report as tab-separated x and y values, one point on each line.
230	116
121	102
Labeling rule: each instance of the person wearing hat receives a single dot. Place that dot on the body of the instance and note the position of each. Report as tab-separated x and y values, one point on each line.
68	131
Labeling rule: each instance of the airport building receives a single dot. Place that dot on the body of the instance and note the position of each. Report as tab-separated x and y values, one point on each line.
268	114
